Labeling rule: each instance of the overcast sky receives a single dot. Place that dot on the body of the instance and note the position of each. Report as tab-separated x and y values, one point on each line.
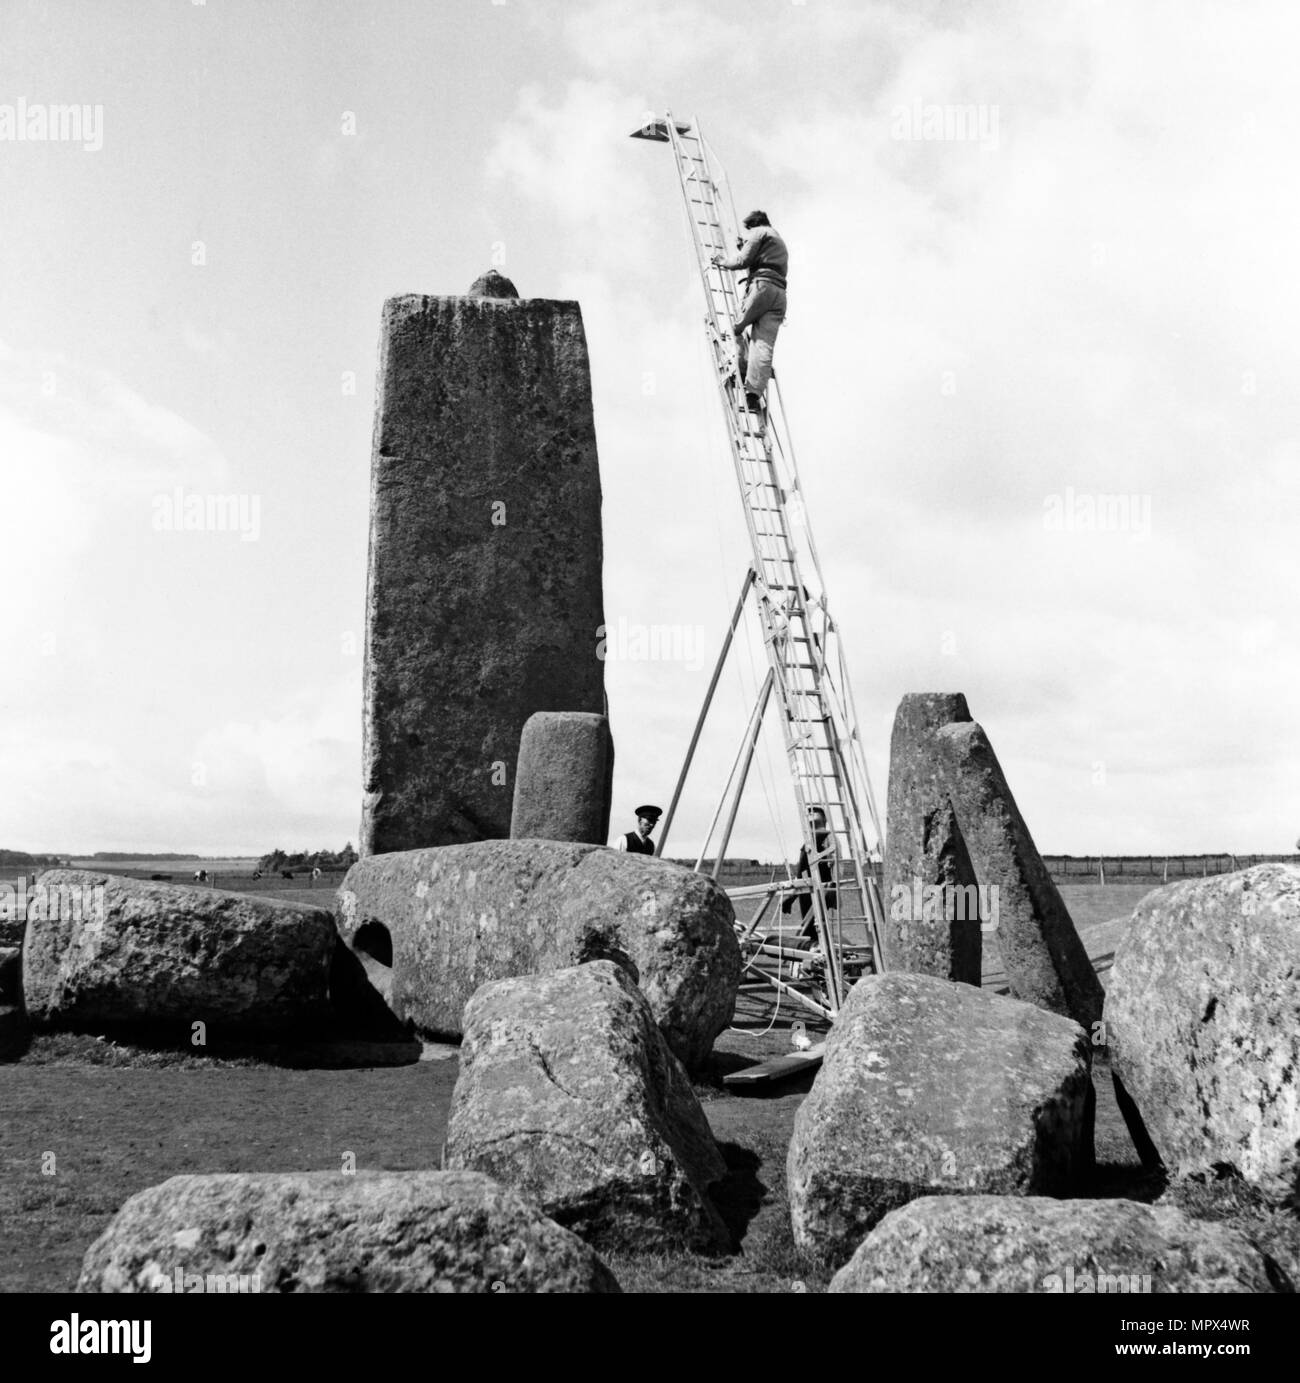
989	340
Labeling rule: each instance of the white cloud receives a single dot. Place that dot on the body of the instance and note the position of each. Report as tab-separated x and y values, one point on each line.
972	331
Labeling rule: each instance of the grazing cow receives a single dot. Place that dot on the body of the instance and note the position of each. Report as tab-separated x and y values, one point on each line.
257	873
200	876
286	874
315	874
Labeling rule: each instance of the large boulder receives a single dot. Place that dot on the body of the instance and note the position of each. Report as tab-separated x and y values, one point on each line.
1035	1244
483	596
462	915
567	1091
103	951
937	754
563	778
1203	1024
931	1087
329	1232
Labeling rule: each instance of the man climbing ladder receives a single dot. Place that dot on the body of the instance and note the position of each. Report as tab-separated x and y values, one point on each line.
807	680
765	260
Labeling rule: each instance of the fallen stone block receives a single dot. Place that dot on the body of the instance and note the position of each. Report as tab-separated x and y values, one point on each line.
329	1232
1035	1244
462	915
107	952
484	600
939	753
563	778
1203	1025
568	1092
930	1087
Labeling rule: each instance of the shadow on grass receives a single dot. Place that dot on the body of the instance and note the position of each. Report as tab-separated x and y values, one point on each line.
740	1195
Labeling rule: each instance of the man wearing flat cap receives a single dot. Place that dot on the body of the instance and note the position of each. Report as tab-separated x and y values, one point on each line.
638	842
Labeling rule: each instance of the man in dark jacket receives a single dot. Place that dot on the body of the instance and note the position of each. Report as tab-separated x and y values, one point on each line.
638	842
765	260
825	871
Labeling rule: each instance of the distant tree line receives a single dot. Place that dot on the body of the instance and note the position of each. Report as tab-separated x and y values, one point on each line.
20	859
145	855
316	859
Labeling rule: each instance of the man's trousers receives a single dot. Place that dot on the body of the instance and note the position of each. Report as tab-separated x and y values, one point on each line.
764	313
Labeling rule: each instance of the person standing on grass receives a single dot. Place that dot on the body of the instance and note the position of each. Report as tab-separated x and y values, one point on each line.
825	872
765	260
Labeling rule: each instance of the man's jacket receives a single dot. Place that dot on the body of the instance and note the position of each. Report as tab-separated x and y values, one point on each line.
764	256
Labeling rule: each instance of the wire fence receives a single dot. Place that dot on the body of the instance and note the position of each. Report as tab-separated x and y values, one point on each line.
1064	869
1139	869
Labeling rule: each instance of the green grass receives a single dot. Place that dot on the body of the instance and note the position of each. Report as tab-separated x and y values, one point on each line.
114	1130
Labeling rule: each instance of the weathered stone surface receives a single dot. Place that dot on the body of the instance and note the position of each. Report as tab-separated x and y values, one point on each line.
484	589
933	758
463	915
325	1232
930	1087
563	778
1203	1024
123	952
932	915
568	1092
1035	1244
492	285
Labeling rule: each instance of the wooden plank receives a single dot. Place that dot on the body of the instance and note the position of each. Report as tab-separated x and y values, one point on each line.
778	1067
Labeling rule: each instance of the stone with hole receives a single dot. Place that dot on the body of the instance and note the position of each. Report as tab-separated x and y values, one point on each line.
462	915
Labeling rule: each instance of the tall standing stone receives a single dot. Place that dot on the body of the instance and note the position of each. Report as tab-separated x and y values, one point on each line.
939	753
563	778
484	591
932	916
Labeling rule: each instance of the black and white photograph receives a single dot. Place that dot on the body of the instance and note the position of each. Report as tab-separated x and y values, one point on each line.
651	650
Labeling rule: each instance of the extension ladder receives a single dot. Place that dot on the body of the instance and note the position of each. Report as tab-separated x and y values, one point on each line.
806	667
